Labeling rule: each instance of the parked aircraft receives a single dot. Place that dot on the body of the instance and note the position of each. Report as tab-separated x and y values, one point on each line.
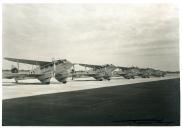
44	70
128	72
99	72
152	72
159	73
145	72
132	72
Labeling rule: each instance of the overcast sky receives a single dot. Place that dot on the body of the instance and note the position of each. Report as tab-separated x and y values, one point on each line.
144	35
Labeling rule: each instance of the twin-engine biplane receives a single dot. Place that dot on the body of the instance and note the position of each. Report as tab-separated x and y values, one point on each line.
133	72
44	70
98	72
128	72
148	72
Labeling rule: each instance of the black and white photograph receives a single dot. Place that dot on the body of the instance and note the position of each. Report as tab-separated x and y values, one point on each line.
90	64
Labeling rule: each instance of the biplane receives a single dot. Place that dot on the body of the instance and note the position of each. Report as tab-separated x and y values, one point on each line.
148	72
98	72
44	70
132	72
128	72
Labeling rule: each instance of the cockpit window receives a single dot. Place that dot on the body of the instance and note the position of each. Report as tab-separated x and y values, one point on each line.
58	62
61	61
64	60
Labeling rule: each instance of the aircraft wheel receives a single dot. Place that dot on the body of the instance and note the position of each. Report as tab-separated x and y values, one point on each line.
64	82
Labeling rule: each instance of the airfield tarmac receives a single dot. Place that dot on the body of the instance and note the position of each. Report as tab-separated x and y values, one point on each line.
155	103
34	87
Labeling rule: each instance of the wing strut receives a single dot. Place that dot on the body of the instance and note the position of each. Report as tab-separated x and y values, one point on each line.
18	65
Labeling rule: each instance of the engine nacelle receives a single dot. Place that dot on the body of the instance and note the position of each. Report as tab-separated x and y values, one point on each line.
61	78
45	79
14	70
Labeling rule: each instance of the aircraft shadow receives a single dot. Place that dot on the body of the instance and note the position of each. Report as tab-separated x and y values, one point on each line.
14	84
85	80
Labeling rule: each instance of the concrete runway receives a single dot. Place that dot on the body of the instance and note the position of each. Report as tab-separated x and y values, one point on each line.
154	103
34	87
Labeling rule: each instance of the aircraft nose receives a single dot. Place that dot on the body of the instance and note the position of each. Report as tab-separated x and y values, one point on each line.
72	64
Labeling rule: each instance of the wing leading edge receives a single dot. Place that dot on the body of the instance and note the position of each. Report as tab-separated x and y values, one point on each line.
91	66
32	62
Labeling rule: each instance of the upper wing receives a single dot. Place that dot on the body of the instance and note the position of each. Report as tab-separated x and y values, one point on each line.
91	66
124	68
33	62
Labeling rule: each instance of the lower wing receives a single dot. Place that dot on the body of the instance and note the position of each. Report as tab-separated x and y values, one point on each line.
18	75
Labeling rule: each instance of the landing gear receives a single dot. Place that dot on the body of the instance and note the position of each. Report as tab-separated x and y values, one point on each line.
16	81
45	81
61	78
107	78
64	82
